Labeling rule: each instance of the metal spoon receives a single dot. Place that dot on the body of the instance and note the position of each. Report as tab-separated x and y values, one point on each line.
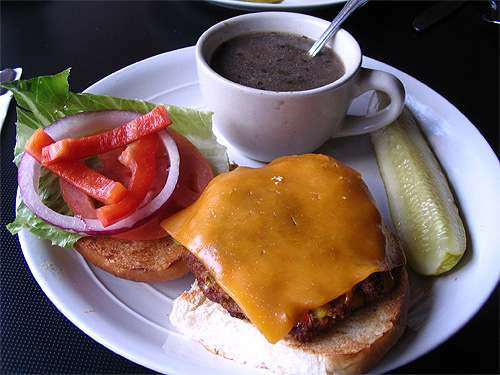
493	15
348	8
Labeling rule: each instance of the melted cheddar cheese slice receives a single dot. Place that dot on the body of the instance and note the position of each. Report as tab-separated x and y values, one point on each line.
285	238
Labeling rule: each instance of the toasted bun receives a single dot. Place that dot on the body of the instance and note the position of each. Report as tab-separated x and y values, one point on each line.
145	261
353	345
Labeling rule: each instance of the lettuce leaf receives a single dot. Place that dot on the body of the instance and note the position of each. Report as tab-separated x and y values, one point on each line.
43	100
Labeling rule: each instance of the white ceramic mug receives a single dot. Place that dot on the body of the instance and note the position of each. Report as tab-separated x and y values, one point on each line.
264	125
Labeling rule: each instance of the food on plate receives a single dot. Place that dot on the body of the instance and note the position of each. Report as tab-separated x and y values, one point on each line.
296	270
276	61
100	173
422	206
139	260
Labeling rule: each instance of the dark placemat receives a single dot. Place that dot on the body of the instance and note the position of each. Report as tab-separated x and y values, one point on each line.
39	331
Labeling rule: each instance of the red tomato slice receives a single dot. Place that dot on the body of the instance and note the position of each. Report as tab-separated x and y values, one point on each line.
195	174
140	158
77	200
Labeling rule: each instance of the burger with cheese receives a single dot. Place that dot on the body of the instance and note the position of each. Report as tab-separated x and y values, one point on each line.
296	271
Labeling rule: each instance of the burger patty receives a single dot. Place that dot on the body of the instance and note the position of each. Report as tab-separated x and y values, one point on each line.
316	320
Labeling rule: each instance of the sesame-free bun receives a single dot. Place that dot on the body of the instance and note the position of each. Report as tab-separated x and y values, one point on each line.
352	346
145	261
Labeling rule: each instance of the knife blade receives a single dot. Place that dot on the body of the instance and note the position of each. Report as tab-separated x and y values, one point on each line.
7	74
436	13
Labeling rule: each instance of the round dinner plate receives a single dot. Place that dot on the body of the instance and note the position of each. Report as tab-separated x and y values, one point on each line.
131	318
284	5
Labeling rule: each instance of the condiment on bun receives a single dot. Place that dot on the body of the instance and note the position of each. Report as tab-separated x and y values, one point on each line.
296	271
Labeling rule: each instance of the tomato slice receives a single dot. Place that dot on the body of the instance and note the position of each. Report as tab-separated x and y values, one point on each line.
139	157
77	200
195	174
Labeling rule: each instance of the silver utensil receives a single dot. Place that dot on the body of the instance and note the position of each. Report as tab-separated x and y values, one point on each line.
493	15
346	11
435	13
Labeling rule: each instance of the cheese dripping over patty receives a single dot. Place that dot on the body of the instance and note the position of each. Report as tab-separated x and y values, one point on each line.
286	238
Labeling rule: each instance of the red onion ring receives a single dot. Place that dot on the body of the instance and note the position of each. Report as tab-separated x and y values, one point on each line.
79	125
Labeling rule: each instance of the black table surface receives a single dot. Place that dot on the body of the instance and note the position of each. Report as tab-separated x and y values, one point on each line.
458	58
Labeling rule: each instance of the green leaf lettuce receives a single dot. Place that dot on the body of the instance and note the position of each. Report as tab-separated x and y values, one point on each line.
43	100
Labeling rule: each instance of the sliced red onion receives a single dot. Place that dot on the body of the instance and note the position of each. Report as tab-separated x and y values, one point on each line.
86	123
79	125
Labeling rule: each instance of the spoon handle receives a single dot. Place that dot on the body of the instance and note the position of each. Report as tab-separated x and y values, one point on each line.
348	8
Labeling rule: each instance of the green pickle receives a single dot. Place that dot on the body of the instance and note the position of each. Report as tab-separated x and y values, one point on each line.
422	206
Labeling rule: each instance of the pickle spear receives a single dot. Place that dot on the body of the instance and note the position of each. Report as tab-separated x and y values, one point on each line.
422	207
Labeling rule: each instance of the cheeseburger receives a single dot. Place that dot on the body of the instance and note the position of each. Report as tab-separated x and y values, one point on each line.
296	271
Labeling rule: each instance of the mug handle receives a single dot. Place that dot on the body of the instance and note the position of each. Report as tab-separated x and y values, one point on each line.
370	79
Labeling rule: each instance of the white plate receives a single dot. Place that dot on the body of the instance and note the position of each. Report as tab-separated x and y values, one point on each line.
284	5
132	318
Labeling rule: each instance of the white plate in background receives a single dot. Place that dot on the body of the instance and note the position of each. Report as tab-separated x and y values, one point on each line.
290	5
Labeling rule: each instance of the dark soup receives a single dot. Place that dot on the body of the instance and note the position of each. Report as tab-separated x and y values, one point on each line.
276	61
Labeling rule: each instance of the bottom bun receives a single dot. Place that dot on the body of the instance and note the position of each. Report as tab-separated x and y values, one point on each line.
352	346
146	261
